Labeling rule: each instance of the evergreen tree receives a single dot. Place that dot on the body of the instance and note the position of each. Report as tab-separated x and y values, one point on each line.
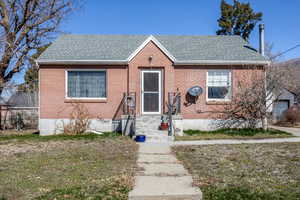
31	75
237	19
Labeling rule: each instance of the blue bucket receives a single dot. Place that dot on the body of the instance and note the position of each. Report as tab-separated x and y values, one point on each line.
140	138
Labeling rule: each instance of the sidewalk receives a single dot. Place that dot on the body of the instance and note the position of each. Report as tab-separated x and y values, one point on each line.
294	131
161	176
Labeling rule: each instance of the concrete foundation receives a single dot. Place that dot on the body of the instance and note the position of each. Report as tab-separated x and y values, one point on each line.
199	124
55	126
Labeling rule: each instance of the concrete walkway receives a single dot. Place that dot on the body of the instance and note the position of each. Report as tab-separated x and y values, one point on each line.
229	141
294	131
161	176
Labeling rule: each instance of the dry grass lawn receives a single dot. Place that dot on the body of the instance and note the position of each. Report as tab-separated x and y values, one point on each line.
247	171
91	168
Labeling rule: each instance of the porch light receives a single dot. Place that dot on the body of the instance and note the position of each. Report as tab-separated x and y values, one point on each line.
150	59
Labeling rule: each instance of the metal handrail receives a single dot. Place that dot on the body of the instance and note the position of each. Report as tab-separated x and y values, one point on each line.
129	103
174	108
174	100
129	108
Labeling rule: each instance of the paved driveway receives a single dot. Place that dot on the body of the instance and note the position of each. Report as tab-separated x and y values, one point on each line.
294	131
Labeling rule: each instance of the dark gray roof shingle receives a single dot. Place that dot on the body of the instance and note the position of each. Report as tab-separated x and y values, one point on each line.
120	47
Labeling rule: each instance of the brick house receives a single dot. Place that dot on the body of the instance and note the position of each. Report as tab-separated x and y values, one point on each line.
100	70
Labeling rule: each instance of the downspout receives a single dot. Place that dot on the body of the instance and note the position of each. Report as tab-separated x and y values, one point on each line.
39	93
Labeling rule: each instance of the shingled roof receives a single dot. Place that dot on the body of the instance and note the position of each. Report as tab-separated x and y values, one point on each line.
180	49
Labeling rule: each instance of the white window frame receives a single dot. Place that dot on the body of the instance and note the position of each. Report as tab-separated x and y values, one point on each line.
230	78
85	98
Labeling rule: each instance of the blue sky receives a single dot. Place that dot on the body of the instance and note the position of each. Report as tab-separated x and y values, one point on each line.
189	17
183	17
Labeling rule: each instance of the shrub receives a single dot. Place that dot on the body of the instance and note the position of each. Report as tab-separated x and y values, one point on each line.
79	120
292	115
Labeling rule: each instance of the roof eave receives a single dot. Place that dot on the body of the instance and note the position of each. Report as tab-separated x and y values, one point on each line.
125	62
220	62
82	62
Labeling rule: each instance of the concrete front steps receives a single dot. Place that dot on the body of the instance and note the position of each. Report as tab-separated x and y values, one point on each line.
161	176
149	125
164	188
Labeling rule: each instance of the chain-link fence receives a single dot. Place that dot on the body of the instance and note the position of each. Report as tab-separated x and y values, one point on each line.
19	118
20	112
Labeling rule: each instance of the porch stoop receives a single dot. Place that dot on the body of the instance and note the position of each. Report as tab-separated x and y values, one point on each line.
149	125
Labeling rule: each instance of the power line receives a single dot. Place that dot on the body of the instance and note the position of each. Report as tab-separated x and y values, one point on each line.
284	52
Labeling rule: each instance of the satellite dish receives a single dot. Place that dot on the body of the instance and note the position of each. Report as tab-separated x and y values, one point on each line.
195	91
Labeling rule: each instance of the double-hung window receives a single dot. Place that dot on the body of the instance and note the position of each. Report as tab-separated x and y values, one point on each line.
86	84
219	85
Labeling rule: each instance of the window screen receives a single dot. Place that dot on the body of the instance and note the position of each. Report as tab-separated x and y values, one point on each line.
219	84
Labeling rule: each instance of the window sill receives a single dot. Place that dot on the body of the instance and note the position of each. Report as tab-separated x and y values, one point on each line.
85	101
219	102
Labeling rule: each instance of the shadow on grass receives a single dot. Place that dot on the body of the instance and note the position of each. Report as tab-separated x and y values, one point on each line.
237	132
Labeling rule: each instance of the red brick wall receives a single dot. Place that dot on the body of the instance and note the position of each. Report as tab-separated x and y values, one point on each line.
52	92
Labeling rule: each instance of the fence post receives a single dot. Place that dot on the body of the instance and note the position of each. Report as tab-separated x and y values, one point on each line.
0	117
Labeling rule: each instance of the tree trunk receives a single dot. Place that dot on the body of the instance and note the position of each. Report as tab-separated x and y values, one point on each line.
264	121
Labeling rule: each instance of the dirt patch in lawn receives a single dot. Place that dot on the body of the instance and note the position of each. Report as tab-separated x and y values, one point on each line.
68	169
9	132
13	149
261	171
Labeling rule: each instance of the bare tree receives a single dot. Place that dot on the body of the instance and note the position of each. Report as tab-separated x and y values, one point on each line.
255	94
269	52
248	104
25	26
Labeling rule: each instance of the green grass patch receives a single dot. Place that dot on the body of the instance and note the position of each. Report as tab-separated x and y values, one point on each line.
235	131
244	193
244	133
58	137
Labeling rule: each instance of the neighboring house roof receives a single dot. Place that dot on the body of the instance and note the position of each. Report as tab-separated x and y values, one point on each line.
120	49
2	102
23	99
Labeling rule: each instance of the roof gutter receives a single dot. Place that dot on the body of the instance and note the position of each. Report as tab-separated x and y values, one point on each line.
81	62
125	62
220	62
